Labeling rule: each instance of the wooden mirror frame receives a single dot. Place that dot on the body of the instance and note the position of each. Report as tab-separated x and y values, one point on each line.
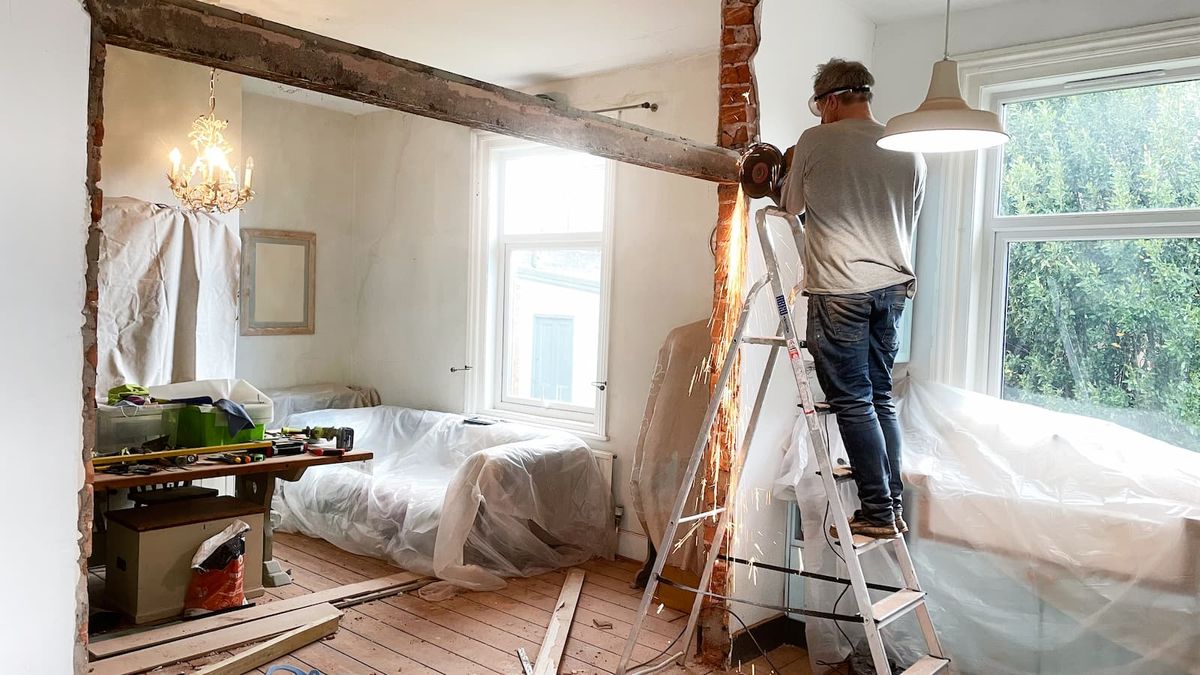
250	239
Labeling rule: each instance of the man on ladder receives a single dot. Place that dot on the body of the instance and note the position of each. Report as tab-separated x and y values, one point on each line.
860	204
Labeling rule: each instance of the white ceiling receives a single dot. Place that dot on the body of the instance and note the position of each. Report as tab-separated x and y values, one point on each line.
887	11
512	43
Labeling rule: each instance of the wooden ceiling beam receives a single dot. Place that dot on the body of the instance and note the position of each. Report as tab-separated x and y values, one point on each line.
213	36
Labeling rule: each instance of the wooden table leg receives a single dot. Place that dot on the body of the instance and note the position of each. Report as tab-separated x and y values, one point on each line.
259	488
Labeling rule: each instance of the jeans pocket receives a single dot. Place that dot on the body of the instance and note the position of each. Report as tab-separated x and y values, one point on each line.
844	319
891	332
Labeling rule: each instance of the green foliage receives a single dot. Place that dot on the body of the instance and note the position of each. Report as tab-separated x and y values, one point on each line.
1122	150
1108	328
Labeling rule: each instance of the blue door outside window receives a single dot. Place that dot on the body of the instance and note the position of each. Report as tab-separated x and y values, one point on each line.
553	350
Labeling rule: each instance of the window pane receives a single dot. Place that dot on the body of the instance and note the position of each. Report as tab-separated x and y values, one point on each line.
553	325
1108	329
551	191
1119	150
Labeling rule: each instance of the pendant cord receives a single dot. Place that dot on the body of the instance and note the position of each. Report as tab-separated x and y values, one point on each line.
946	51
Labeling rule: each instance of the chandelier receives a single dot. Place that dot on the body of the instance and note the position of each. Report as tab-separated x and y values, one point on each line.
210	183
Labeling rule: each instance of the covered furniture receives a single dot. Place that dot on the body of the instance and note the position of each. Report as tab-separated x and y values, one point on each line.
467	503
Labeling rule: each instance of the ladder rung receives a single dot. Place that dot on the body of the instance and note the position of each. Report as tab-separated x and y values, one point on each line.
927	665
701	516
769	341
895	605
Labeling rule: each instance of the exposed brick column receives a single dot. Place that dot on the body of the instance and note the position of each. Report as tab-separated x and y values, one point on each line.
95	139
736	129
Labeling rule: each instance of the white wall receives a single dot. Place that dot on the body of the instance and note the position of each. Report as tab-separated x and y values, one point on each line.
410	259
904	56
796	37
662	268
304	171
43	72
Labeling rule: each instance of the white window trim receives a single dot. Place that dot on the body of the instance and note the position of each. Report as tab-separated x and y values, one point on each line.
967	322
486	272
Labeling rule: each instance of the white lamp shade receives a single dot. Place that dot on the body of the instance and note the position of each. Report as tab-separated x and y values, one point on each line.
944	122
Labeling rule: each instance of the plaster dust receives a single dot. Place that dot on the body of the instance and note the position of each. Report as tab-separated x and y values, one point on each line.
44	63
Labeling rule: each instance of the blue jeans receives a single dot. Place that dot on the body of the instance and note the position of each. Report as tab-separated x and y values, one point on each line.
854	339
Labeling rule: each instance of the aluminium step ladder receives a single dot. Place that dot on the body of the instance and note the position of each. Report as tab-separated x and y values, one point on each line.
872	615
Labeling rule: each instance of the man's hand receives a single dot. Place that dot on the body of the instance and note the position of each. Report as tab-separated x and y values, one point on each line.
777	195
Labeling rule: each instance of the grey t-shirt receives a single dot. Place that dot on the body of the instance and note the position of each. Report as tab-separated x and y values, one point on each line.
861	204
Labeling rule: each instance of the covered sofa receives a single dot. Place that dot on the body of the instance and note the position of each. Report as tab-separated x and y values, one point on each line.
465	502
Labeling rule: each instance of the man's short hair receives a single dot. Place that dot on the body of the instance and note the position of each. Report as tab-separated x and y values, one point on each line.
842	74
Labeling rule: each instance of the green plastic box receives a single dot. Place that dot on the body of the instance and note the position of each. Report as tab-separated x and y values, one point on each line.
202	426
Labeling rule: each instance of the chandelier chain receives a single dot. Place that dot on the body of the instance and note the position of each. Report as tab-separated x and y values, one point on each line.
212	91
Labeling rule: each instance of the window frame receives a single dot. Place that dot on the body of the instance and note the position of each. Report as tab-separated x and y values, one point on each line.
968	319
490	283
1001	230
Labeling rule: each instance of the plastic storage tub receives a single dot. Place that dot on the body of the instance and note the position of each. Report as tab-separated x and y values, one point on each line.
201	426
129	426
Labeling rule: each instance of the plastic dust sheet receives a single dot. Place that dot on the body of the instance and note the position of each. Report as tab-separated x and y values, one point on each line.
467	503
1048	542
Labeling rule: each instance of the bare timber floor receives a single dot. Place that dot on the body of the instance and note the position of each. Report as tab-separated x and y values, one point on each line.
476	632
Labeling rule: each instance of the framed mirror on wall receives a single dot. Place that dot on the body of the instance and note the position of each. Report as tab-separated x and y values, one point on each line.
279	282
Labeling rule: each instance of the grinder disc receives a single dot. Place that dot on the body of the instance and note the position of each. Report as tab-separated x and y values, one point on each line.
760	170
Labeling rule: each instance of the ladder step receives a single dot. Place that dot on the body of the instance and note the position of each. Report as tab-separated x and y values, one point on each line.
701	516
769	341
896	605
927	665
863	543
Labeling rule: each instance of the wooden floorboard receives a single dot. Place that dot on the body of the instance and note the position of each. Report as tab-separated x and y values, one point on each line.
480	632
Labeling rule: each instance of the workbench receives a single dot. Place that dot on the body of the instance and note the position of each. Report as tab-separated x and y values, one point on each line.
254	482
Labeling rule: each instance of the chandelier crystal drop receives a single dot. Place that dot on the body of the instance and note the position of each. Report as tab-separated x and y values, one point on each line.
210	183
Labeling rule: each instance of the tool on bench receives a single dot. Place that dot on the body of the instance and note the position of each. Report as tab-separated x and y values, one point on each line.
872	615
343	436
135	458
239	458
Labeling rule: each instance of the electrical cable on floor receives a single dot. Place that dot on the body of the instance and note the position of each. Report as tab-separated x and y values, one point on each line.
754	640
659	655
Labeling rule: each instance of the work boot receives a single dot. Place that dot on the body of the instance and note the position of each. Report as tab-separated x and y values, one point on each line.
901	526
859	525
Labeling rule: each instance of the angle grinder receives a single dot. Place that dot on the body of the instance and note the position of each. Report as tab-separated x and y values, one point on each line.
760	171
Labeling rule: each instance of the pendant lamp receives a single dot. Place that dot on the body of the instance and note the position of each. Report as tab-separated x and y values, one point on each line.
944	122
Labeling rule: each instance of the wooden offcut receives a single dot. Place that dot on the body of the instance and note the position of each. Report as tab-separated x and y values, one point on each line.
555	640
266	652
213	36
188	629
222	639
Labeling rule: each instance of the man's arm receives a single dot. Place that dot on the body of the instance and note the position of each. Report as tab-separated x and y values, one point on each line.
919	190
791	197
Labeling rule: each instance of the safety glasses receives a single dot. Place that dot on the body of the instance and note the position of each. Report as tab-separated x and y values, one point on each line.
812	102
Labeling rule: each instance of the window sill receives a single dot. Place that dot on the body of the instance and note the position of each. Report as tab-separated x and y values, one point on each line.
583	430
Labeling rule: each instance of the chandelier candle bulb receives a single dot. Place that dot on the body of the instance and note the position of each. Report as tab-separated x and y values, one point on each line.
176	158
249	171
